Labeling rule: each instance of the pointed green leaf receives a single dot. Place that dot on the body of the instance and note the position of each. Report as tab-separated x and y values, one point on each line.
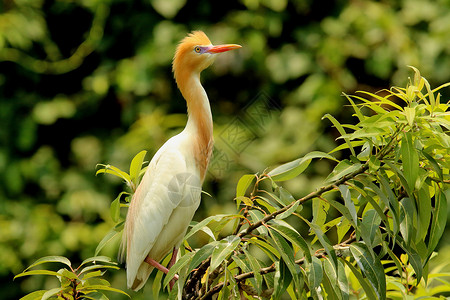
243	184
47	259
341	130
256	269
320	211
36	295
95	267
323	239
355	107
410	114
345	192
108	169
370	226
407	211
294	168
37	272
315	274
371	267
295	238
51	293
285	251
439	221
136	166
202	254
97	259
368	289
199	226
424	211
113	233
93	274
106	288
223	249
434	164
345	167
282	279
115	209
410	160
183	261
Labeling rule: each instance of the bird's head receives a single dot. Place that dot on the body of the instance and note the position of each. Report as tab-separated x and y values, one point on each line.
195	53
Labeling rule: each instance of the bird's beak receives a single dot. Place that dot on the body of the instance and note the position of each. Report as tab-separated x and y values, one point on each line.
223	48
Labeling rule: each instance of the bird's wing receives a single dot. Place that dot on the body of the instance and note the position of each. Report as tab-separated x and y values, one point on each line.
168	184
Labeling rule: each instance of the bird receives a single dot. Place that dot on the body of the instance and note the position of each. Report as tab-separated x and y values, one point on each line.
169	193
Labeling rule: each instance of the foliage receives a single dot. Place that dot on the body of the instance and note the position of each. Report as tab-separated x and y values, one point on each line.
373	227
384	206
101	91
78	283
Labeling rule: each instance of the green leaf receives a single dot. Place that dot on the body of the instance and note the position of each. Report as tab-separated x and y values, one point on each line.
295	238
285	251
323	239
343	168
282	279
410	114
108	169
202	254
115	231
105	288
93	274
243	184
343	281
424	211
224	248
136	166
341	131
410	160
371	267
439	221
184	260
51	293
355	108
270	251
97	259
370	293
286	198
370	226
36	295
315	274
204	223
115	208
255	268
434	164
345	192
37	272
288	212
47	259
294	168
407	211
320	211
94	267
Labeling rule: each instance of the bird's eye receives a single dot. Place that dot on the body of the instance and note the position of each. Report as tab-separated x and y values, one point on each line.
197	49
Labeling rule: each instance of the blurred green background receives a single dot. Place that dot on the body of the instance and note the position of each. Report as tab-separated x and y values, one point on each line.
87	82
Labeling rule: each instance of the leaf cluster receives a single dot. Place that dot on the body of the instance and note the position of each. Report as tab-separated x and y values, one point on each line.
384	206
84	282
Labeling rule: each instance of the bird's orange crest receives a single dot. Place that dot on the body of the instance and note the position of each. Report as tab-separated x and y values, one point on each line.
196	38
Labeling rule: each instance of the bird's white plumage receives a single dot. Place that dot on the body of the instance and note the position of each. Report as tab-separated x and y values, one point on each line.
163	206
169	193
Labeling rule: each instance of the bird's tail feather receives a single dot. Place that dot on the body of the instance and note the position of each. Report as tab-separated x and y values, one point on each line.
141	277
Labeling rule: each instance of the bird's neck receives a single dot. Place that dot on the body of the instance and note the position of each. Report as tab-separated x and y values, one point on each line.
199	123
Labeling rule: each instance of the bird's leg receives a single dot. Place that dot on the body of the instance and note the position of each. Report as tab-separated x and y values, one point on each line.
157	265
171	263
